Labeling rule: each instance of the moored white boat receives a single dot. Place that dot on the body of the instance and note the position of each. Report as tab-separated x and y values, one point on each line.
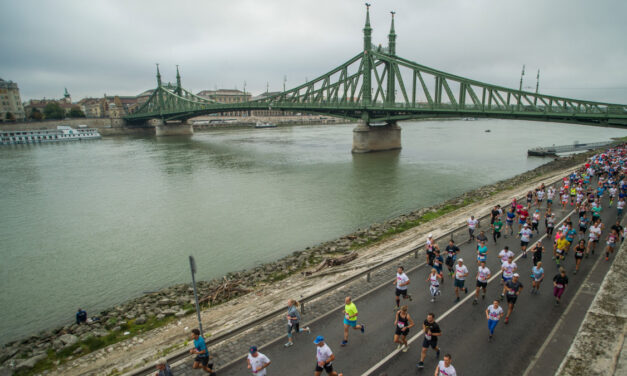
62	133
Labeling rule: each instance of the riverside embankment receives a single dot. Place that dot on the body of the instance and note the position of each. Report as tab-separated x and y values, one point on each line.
271	284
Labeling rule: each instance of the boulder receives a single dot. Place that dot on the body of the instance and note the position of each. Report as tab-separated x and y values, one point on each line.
29	363
140	320
165	302
68	339
168	312
100	333
160	316
180	313
7	353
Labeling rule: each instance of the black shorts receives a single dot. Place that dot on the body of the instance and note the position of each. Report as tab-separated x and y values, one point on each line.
327	367
450	262
204	360
482	284
433	342
400	292
295	327
523	243
511	299
400	332
577	257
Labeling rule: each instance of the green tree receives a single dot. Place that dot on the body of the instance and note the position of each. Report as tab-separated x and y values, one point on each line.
54	111
76	112
35	114
9	117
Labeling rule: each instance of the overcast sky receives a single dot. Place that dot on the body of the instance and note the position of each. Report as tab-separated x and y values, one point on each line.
96	47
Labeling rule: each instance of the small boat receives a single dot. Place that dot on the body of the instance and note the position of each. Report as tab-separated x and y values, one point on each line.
470	119
487	131
62	133
260	124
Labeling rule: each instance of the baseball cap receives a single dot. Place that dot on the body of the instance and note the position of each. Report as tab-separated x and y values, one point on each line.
460	260
253	349
516	275
430	236
319	339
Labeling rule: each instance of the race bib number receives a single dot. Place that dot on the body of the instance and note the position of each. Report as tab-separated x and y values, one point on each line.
401	324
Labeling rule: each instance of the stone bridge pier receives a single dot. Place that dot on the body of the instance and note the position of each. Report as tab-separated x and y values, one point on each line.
370	138
171	128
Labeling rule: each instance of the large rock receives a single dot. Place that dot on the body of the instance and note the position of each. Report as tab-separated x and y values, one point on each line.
165	302
68	339
180	314
29	363
140	320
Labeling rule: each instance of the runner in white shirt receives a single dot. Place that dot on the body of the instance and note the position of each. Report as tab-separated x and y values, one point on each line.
401	283
483	274
525	234
594	236
434	284
493	313
472	225
505	254
445	368
257	362
508	268
324	358
461	272
550	194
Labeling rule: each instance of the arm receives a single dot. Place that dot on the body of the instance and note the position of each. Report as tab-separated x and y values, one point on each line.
264	365
410	322
487	313
437	370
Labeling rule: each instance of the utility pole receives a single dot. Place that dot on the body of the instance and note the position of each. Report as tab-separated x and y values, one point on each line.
521	77
192	265
284	82
538	81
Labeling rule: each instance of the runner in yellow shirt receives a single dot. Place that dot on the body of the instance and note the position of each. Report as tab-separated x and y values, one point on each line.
561	248
350	319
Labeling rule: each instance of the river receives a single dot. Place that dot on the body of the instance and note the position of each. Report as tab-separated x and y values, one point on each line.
92	224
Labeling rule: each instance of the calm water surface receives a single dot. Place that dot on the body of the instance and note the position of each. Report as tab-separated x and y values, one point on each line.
93	224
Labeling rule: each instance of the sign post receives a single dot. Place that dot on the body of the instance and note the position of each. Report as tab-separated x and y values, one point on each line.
192	265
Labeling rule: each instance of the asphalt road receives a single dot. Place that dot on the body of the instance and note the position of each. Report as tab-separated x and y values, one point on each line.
463	324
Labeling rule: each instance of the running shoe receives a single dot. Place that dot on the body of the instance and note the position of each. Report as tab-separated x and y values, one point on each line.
490	338
456	299
474	302
398	347
575	271
307	330
437	354
507	320
483	296
432	300
344	343
289	344
363	328
420	365
409	297
405	348
465	290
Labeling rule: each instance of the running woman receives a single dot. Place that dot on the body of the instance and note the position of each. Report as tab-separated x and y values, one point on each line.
482	252
537	252
580	250
612	239
430	247
550	193
537	276
525	234
432	332
508	268
523	214
434	279
559	285
583	225
402	323
564	199
540	196
401	282
472	225
483	274
324	358
445	368
350	319
493	313
257	362
550	224
498	225
293	321
560	249
438	261
514	287
535	220
509	220
461	272
620	205
593	236
451	256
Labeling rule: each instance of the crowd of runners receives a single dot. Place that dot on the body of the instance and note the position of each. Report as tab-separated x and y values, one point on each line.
602	179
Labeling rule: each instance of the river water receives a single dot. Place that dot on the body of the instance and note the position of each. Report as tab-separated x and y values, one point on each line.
92	224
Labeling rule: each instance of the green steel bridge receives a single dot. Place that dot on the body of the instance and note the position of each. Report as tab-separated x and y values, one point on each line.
376	86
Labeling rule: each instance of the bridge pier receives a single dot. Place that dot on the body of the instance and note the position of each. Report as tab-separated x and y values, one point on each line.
368	138
171	129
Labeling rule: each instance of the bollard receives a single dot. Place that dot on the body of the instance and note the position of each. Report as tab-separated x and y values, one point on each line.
416	254
302	307
368	277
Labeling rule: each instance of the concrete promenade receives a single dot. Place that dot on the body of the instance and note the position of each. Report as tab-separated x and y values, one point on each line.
517	347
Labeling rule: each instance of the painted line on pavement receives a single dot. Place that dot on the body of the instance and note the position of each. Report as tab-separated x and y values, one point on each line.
389	357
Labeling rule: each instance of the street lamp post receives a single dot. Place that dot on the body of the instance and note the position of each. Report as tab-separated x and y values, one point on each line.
192	265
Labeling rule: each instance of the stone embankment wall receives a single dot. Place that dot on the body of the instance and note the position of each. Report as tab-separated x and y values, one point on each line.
598	347
52	124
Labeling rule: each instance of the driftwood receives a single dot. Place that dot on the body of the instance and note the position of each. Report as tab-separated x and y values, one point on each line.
227	290
334	261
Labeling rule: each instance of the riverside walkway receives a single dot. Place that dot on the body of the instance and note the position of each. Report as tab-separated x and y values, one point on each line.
527	345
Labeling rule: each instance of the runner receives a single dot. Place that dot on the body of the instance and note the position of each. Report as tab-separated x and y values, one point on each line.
620	205
537	275
482	252
537	252
550	224
350	319
535	220
580	250
559	285
445	368
560	250
529	199
583	225
523	214
525	234
202	353
514	287
461	272
402	324
324	358
564	199
498	225
401	282
481	238
540	196
432	332
438	261
508	268
494	213
293	321
593	236
612	239
430	247
472	225
483	274
505	254
619	229
550	193
451	257
570	235
509	220
257	362
493	313
612	192
434	284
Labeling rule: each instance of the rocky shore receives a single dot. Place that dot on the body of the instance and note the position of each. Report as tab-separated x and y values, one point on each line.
120	323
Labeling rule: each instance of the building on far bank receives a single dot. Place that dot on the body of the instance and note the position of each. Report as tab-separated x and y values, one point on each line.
11	107
227	96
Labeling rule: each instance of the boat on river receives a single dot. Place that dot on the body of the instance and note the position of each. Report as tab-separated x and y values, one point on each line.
62	133
260	124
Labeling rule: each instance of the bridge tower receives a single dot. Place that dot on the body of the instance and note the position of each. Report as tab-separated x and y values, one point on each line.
376	137
163	128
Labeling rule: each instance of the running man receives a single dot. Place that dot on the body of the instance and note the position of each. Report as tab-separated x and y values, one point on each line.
525	235
324	358
550	194
559	285
493	313
451	256
561	248
401	282
350	319
461	272
620	205
434	283
483	274
510	215
593	236
472	225
430	247
402	323
537	252
498	225
508	268
257	362
537	276
514	287
445	368
438	261
432	332
202	353
505	254
482	252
